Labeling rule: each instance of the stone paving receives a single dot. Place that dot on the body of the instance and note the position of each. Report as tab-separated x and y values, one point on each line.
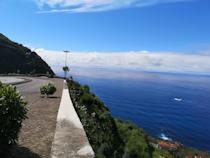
8	80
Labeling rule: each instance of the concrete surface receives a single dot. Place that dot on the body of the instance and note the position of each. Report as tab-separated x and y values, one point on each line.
38	130
70	140
33	86
8	80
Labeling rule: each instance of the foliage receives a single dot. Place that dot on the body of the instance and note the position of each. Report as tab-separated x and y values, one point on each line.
161	153
49	75
48	89
97	121
87	99
135	141
86	89
65	68
12	112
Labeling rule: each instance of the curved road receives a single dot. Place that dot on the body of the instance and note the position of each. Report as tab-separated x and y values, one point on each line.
7	80
33	86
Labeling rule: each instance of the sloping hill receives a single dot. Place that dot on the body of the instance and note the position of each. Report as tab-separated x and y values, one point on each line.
15	58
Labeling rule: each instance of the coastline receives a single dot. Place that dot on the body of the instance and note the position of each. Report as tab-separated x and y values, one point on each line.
150	104
159	147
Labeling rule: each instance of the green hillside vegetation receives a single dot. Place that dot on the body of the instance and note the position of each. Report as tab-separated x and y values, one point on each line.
134	140
15	58
97	121
113	138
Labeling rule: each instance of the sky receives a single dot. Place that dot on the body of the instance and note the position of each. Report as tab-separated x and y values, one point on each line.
162	27
126	25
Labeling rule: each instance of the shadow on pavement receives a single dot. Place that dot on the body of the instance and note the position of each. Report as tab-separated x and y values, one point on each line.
22	152
55	97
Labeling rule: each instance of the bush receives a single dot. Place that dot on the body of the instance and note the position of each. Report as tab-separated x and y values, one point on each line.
86	88
49	75
12	112
48	89
87	99
135	141
161	153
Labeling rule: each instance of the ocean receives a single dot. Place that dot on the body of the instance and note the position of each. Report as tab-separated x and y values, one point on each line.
168	106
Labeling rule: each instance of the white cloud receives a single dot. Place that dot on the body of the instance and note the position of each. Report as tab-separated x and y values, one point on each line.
95	5
138	61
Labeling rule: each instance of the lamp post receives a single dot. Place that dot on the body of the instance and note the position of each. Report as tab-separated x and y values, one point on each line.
66	68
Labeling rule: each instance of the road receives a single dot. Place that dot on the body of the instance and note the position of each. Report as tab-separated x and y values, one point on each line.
33	86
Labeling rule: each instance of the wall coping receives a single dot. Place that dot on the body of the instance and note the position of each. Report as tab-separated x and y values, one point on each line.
70	140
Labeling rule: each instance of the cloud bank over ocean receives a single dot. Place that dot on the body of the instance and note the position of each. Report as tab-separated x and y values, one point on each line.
132	61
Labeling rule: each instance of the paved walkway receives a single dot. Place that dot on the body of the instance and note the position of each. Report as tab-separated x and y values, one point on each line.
7	80
38	130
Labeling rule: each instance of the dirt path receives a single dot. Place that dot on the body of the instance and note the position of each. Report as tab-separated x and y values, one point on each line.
37	133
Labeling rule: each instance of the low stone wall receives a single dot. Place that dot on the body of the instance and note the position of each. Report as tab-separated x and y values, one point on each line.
70	140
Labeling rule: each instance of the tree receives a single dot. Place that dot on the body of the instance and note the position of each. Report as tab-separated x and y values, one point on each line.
65	69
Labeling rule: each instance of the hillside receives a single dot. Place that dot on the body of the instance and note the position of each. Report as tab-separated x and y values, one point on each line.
15	58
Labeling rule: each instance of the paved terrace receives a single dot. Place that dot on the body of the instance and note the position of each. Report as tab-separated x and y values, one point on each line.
39	130
11	80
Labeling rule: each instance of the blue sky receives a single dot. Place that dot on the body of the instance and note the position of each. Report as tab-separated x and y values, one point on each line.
108	25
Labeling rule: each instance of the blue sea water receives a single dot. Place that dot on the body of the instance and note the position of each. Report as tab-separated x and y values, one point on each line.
170	106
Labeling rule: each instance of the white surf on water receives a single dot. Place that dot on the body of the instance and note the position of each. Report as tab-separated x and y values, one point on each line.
164	137
178	99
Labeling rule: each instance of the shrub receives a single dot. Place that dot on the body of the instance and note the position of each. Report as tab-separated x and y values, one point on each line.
136	144
161	153
49	75
12	112
48	89
86	88
87	99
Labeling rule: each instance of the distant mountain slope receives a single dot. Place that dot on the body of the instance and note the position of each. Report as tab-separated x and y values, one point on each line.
15	58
